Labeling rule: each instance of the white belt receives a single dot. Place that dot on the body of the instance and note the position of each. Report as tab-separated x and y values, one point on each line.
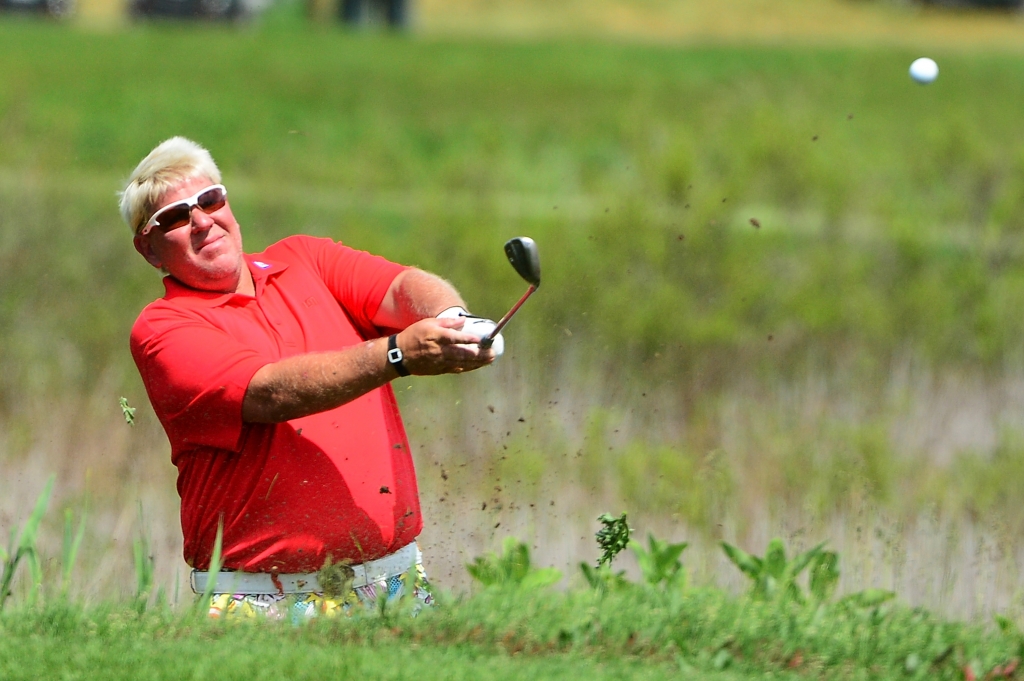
230	582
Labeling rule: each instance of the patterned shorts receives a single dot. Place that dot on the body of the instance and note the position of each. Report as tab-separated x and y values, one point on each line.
300	607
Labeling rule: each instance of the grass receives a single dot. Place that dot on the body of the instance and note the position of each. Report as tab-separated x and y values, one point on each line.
887	210
743	22
512	635
515	627
826	23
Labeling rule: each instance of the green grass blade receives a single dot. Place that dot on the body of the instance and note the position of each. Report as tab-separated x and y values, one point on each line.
31	528
216	564
143	568
24	546
11	559
144	563
69	554
36	570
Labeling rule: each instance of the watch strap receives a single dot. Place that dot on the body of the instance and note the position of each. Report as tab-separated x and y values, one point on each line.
395	355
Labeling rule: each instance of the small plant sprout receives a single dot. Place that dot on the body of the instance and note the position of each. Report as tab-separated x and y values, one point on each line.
129	412
659	562
774	577
512	567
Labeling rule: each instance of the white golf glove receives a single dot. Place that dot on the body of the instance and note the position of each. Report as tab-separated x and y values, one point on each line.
477	326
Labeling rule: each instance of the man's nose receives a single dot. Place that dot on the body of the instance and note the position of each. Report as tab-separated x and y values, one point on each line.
200	219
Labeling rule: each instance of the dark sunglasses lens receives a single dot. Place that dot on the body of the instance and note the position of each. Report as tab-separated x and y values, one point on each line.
212	200
173	218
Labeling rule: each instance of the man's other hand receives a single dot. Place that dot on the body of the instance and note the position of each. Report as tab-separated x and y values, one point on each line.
435	346
481	328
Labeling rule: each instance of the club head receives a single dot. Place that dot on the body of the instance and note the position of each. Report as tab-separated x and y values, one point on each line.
522	253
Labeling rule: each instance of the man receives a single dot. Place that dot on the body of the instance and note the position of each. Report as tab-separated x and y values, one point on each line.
270	374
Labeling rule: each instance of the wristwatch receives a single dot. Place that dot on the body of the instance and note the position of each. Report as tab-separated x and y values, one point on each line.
395	355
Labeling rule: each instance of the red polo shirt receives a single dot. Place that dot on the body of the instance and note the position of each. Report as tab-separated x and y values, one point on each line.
339	483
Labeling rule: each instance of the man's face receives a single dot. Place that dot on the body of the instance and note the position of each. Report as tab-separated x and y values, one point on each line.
204	253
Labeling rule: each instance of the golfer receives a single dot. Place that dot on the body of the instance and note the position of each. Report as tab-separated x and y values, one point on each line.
270	373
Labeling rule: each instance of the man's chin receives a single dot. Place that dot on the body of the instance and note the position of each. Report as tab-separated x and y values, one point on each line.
215	280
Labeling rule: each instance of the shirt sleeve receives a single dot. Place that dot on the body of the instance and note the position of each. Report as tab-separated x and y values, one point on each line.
358	280
196	376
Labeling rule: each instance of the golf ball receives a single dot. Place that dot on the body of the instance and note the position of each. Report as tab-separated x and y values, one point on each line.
924	70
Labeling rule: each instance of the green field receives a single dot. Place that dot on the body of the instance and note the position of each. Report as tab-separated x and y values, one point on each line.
514	627
782	282
640	635
889	212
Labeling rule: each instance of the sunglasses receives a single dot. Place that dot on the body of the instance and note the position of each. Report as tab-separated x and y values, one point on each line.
179	213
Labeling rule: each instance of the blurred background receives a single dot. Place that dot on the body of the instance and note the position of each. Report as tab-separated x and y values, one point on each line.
783	283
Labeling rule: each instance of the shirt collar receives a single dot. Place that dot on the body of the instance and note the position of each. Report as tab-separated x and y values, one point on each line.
261	268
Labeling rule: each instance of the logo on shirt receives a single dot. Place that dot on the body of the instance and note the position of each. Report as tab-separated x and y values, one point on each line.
260	264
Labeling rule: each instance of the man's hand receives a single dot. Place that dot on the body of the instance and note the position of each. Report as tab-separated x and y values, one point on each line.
476	326
438	346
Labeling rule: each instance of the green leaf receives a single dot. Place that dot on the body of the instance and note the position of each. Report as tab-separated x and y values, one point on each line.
541	578
824	576
660	563
766	586
748	564
127	411
800	562
792	592
35	567
602	578
775	559
1005	624
482	571
869	598
591	574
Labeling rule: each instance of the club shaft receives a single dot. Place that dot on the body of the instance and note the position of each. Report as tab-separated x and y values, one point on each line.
487	341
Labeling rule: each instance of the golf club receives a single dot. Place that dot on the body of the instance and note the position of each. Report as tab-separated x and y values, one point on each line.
522	253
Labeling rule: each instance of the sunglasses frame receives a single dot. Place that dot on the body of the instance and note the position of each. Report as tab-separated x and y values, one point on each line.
191	202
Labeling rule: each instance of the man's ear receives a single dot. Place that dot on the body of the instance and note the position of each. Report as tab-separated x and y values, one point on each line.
144	248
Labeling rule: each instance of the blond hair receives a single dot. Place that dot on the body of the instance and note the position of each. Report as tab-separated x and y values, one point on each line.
172	162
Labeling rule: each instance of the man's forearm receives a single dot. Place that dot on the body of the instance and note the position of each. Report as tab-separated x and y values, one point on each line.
413	296
307	384
310	383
